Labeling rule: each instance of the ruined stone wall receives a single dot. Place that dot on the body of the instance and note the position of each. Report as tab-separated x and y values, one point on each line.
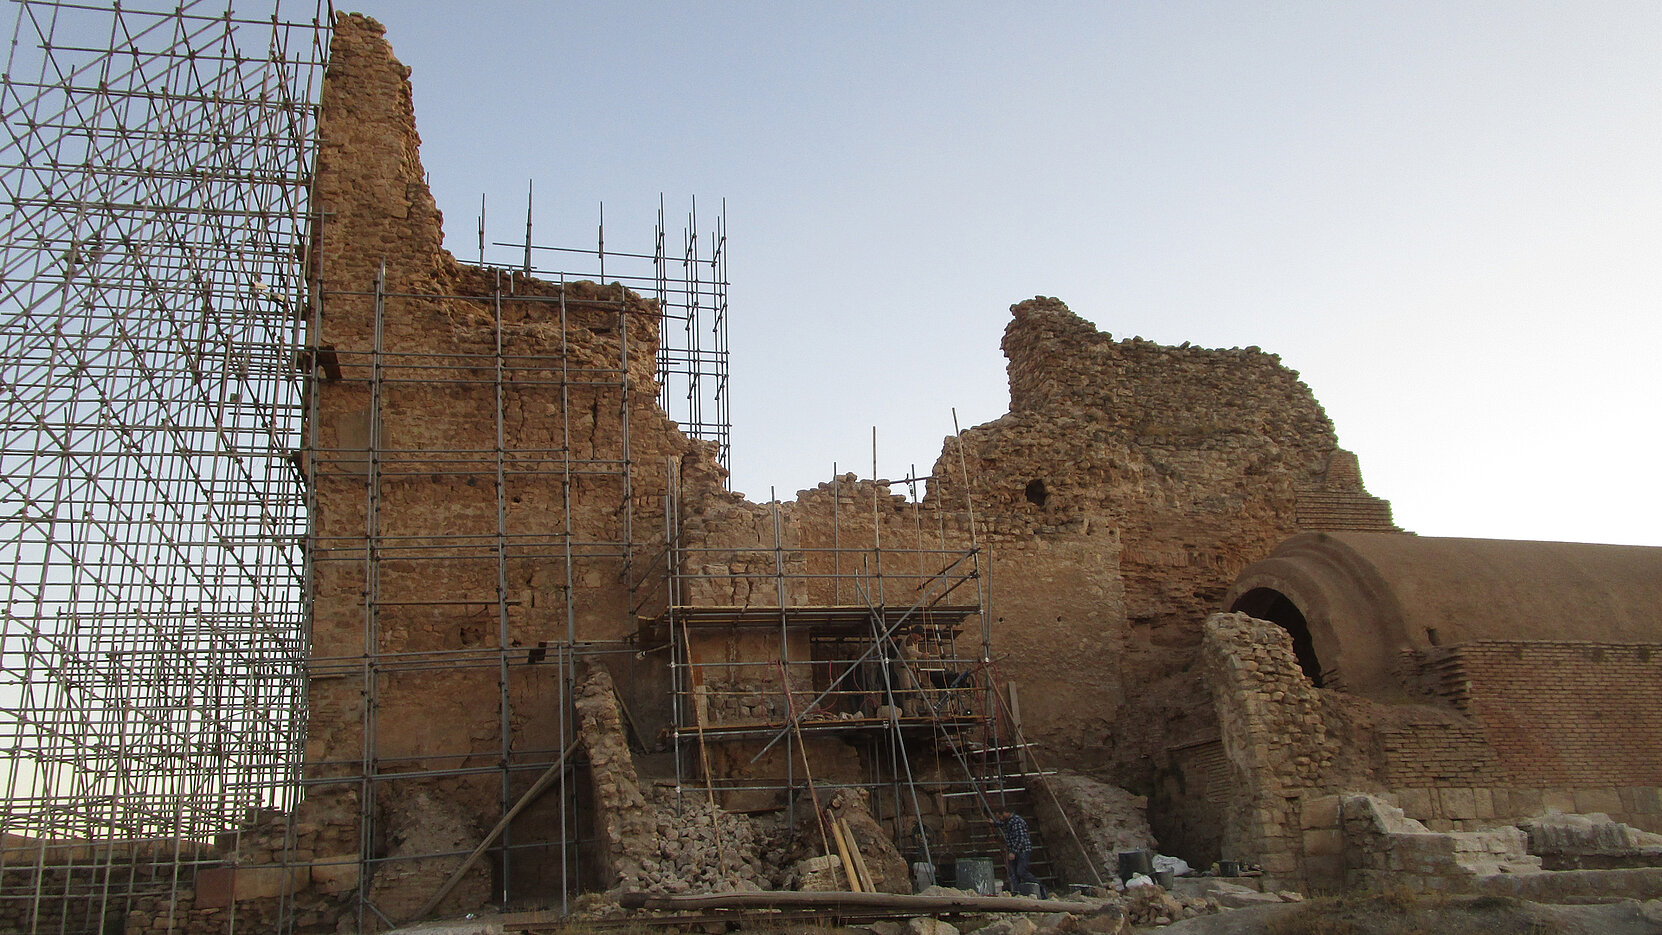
1186	463
1125	489
1274	733
414	510
1293	749
1127	486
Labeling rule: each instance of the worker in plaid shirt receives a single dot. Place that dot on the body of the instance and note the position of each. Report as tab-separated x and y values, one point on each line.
1018	849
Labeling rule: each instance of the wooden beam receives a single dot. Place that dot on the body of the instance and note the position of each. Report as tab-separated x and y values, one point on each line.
794	899
537	788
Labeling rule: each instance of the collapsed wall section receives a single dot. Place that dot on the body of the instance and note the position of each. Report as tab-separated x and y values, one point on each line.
1504	744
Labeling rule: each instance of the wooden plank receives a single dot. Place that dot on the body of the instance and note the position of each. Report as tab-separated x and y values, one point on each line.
842	852
859	858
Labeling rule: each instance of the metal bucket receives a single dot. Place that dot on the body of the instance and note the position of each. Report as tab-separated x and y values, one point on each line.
1135	862
975	873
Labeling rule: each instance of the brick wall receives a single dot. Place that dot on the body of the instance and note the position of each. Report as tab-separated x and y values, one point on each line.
1568	714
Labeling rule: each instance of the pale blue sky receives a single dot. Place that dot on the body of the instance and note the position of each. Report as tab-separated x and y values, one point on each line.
1446	216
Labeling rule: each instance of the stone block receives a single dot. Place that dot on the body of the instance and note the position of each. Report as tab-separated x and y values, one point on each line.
1280	865
1524	803
1591	801
218	887
1415	803
1647	800
214	887
270	882
1557	800
336	874
1456	804
1483	804
1324	842
923	925
1321	812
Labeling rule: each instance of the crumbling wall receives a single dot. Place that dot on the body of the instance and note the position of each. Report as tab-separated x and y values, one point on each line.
1125	488
647	840
1295	751
419	402
1385	849
1270	719
1087	823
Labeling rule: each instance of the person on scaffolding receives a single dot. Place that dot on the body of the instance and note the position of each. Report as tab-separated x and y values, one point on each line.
1018	850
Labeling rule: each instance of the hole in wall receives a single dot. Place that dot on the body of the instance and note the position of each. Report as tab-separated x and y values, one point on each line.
1270	604
1036	493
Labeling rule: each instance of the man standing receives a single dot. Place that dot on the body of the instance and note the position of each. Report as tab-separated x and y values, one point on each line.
1018	849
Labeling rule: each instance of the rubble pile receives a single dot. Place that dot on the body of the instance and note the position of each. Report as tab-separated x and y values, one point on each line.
1152	905
703	849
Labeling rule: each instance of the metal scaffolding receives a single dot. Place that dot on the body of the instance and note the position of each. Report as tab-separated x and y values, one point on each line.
688	284
163	360
155	181
865	648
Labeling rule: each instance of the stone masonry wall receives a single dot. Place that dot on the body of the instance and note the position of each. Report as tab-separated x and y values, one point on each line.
1125	489
1295	751
1180	465
428	429
1270	719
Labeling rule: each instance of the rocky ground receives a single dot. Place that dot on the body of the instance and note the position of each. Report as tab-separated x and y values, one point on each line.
1401	914
1151	910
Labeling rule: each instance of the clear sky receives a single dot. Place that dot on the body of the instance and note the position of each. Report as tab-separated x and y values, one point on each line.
1446	216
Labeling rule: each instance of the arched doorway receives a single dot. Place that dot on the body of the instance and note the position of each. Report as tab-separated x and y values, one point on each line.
1270	604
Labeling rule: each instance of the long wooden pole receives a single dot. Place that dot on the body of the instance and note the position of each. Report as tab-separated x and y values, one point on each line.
536	789
798	899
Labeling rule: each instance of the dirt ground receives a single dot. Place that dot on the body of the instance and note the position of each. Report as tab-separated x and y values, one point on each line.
1402	914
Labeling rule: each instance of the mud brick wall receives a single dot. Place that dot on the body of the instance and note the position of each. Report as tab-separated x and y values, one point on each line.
1439	754
1568	714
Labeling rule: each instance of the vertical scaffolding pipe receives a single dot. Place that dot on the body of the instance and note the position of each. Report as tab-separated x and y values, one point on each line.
677	679
897	747
568	671
504	638
836	536
627	467
530	188
989	700
372	595
784	657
